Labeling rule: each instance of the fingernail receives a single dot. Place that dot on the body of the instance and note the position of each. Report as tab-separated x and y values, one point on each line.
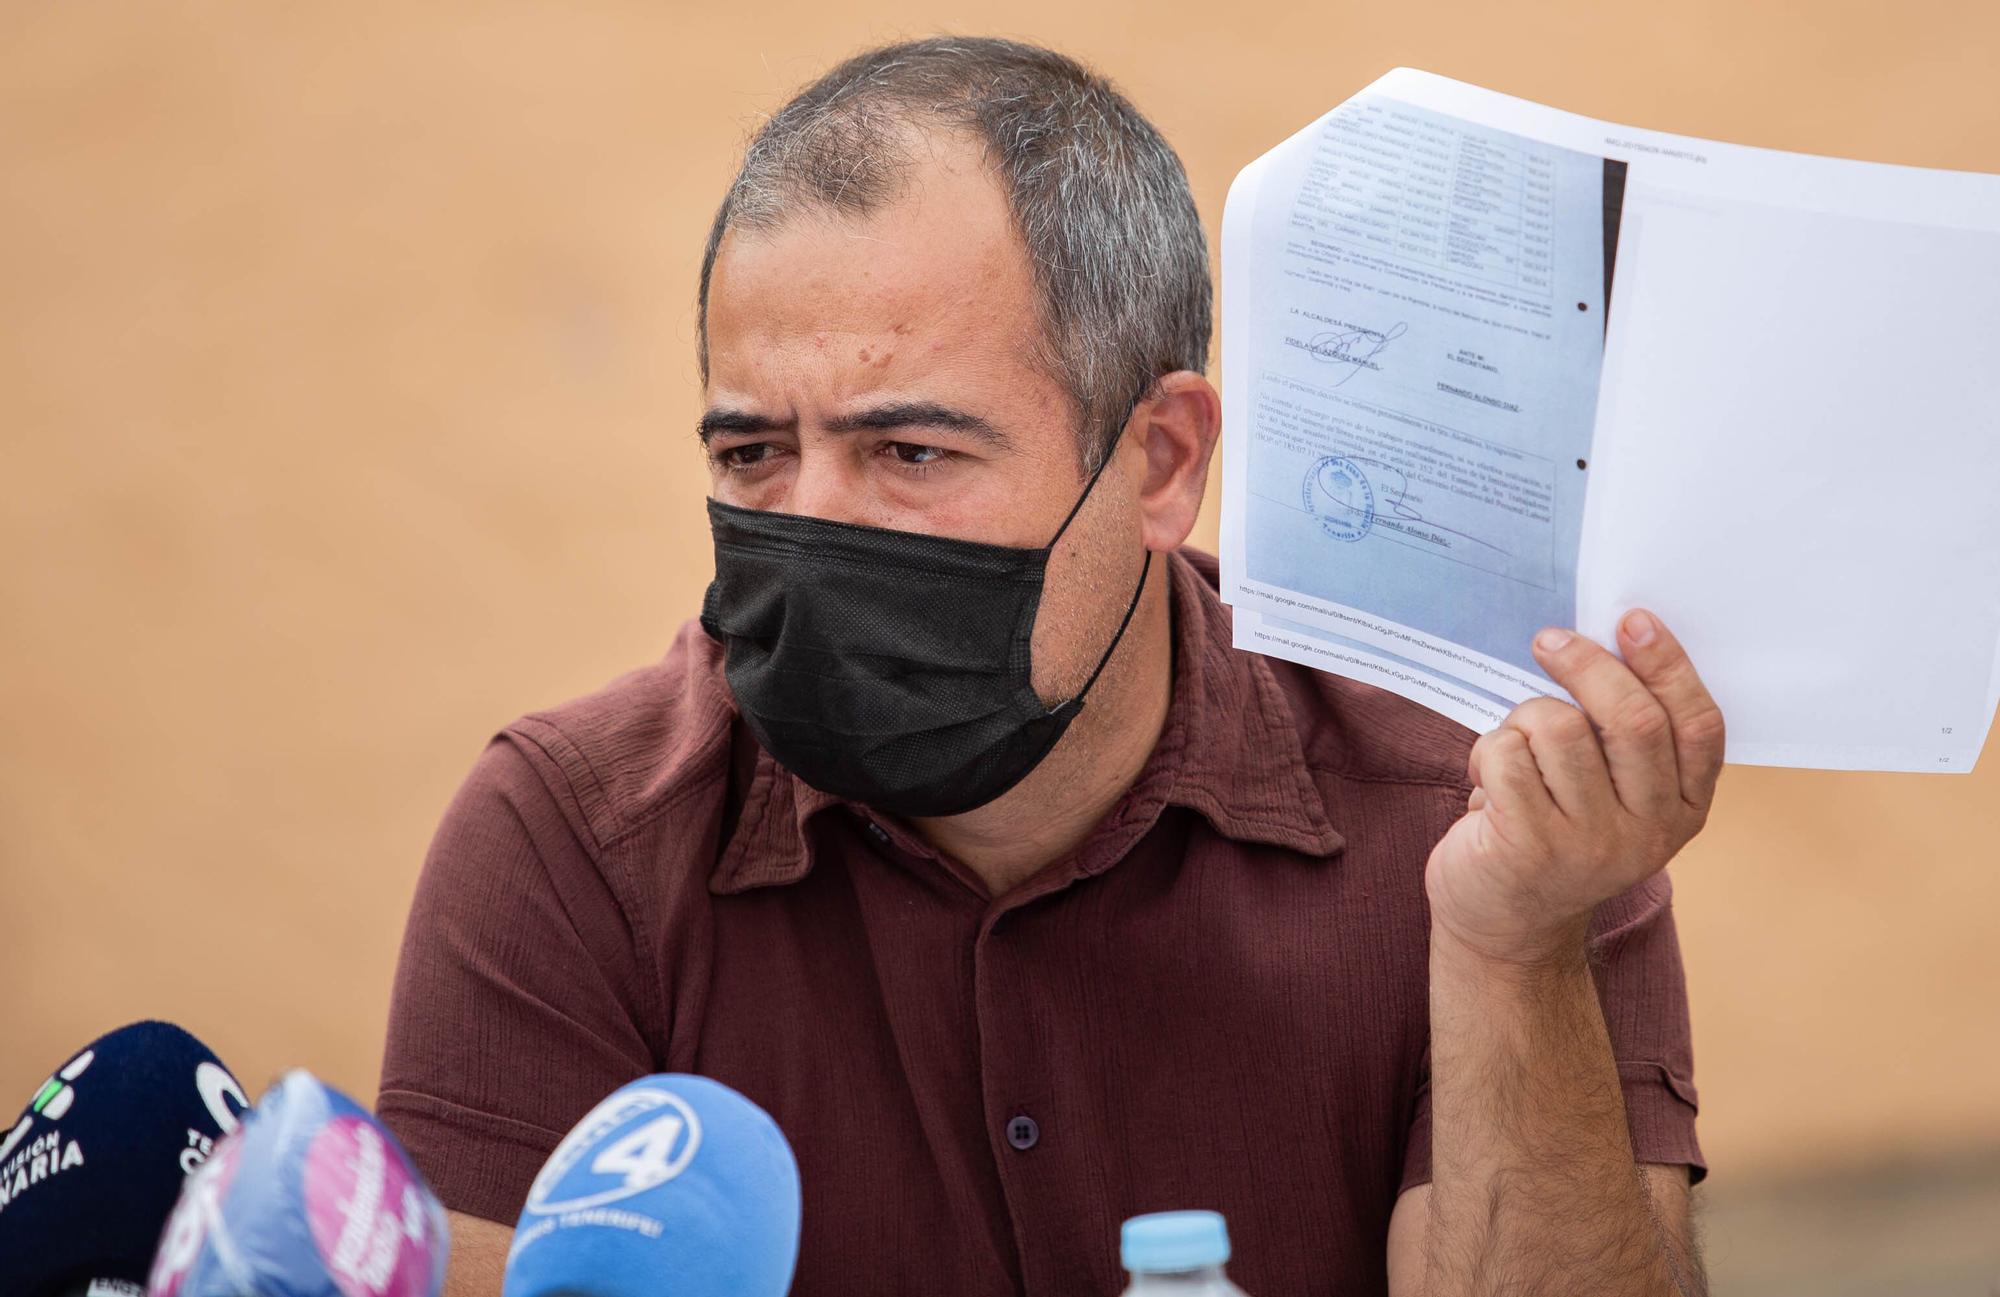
1551	639
1639	626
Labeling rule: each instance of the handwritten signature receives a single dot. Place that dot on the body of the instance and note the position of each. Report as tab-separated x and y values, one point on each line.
1355	348
1393	501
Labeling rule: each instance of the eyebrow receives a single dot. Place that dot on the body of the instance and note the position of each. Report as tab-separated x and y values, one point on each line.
897	414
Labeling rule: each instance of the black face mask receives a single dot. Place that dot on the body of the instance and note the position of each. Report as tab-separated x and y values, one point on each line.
887	667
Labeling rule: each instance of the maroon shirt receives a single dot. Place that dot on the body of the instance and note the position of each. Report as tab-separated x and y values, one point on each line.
1218	1000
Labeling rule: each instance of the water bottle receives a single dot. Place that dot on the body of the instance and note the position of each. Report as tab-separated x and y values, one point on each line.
1177	1254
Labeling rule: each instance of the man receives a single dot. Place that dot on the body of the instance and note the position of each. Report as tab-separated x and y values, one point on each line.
1405	1006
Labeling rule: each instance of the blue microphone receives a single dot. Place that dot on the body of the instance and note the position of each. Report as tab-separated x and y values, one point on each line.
92	1168
673	1184
312	1197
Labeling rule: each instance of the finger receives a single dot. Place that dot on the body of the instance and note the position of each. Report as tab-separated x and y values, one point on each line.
1634	729
1508	775
1567	755
1476	800
1658	659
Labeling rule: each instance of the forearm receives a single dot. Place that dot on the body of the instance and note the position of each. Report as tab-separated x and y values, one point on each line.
1534	1185
478	1256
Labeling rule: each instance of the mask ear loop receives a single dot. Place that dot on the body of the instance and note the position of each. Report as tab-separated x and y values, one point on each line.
1125	621
1074	509
1137	590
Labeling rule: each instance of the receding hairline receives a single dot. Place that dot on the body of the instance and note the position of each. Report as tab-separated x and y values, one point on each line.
907	143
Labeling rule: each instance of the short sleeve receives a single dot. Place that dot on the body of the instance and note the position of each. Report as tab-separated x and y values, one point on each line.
517	1002
1635	957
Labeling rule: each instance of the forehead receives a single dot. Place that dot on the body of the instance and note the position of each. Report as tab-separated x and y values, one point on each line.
933	284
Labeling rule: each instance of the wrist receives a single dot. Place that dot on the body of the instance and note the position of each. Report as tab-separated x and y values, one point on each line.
1518	959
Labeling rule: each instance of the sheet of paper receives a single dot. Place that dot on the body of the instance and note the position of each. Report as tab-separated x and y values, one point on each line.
1429	328
1314	647
1782	435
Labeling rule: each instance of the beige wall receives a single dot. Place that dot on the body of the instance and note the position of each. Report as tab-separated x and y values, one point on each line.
345	386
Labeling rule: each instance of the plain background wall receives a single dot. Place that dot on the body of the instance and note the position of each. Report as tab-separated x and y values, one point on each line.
347	386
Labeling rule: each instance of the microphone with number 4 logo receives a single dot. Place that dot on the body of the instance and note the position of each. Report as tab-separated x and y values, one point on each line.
672	1184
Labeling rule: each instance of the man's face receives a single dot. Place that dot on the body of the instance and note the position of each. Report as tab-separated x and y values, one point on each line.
879	371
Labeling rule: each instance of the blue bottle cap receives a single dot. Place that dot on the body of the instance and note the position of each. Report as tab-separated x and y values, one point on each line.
1169	1241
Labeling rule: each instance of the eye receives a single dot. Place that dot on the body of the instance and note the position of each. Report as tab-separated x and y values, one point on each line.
915	455
748	455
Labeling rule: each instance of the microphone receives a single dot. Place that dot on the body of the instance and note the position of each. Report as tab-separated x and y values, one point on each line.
672	1184
311	1197
91	1170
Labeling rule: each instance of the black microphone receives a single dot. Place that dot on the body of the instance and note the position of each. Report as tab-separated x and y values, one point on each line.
91	1170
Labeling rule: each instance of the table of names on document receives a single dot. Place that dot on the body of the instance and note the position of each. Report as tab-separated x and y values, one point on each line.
1400	186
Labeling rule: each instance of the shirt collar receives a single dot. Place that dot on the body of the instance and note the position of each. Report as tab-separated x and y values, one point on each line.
1229	751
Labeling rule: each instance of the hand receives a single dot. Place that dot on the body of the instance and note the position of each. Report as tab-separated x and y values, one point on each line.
1569	808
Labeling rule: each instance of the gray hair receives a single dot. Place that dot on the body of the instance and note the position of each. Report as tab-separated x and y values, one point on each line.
1096	193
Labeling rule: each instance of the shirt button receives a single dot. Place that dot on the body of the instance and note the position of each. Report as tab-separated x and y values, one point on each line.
1023	1132
878	833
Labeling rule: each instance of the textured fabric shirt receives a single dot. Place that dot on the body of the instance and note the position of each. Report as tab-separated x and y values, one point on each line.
1218	1000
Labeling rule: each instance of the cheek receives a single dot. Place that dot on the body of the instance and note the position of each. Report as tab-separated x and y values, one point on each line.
1091	577
1057	648
767	485
1004	500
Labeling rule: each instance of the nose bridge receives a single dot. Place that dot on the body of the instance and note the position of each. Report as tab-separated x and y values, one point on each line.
825	483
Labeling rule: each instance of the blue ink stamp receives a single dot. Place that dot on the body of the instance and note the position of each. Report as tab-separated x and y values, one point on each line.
1339	495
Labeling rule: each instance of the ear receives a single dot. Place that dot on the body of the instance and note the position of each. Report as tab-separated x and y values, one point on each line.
1177	430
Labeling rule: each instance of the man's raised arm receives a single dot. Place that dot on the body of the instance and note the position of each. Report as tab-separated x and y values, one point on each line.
1534	1183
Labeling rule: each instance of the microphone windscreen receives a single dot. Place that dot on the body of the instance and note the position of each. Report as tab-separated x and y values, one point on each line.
672	1184
312	1197
91	1169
